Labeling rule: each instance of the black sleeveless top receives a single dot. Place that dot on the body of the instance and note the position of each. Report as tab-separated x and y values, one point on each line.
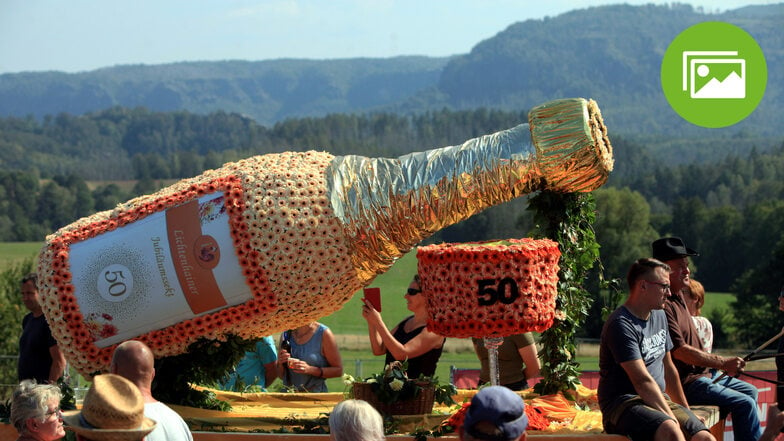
425	363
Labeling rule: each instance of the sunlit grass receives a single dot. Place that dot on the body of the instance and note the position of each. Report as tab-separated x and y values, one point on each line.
12	252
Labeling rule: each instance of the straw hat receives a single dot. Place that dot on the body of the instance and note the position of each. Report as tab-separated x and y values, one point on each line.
112	410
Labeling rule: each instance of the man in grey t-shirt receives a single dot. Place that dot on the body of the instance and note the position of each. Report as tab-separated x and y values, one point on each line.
640	394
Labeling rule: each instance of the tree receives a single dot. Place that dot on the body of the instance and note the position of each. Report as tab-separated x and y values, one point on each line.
55	206
756	303
623	229
12	311
107	197
144	186
721	231
21	190
624	232
84	204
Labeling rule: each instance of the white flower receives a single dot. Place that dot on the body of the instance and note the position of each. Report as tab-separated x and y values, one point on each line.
396	384
347	379
371	380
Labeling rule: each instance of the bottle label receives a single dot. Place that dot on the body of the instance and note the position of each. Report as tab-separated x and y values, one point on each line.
168	267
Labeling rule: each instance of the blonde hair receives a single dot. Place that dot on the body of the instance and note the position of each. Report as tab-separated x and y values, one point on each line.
697	292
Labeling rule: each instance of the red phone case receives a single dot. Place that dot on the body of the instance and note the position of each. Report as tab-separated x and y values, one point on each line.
374	297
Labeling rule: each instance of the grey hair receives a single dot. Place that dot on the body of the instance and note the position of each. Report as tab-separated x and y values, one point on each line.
356	420
31	400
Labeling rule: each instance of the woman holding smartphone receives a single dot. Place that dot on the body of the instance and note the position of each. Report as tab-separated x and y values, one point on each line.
410	339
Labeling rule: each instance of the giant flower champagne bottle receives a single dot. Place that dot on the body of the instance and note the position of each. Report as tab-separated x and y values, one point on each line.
274	241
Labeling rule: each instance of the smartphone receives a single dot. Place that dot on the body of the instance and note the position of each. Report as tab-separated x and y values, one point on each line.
373	295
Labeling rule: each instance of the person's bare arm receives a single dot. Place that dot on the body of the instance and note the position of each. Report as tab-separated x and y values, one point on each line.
270	372
646	386
375	323
58	364
329	347
282	361
673	382
691	355
531	360
415	347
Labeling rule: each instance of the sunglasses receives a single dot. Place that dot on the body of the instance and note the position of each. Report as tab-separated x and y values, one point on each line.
413	291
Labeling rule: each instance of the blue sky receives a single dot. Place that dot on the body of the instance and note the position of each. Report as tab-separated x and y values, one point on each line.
80	35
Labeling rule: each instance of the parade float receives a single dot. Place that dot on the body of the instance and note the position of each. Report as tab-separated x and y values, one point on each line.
275	241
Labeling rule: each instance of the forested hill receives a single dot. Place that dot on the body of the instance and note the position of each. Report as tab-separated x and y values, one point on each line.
612	54
609	53
267	91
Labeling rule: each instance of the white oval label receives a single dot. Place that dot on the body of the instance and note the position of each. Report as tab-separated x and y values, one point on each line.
115	283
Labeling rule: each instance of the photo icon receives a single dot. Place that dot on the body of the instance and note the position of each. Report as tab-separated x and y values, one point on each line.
714	75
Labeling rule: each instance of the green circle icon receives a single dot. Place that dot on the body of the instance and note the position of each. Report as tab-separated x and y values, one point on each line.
714	74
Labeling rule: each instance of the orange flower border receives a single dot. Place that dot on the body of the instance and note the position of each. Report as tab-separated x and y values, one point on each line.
61	307
489	289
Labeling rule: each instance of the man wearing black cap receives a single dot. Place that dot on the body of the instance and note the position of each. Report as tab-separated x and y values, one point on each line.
496	413
730	394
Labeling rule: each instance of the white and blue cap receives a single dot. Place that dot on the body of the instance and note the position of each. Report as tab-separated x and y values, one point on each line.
500	407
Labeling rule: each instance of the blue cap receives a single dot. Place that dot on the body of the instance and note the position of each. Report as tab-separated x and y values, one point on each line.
502	408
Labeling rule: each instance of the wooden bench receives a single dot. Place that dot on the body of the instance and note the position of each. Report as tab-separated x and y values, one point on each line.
713	419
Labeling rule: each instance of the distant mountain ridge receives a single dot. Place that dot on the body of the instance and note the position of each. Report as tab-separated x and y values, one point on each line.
267	91
609	53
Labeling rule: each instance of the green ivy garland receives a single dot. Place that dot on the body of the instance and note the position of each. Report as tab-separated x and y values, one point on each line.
566	218
205	363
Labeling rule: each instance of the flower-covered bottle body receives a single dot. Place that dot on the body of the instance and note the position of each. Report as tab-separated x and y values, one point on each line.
269	242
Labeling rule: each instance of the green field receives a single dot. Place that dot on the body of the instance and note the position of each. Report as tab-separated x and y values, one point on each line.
393	284
717	300
11	252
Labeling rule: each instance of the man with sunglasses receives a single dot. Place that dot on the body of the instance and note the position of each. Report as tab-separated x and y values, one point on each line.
731	395
410	339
